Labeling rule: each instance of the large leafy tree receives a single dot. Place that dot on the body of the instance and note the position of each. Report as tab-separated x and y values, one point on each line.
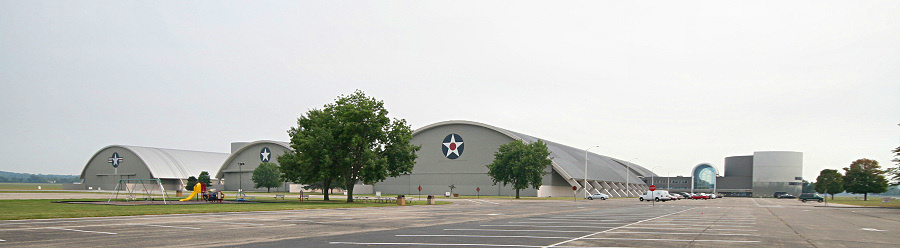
808	187
519	164
316	157
864	176
830	181
350	140
266	175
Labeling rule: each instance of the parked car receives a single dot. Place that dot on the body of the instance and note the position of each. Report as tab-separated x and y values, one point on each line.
600	196
713	196
658	195
686	195
786	196
700	196
777	194
675	197
810	197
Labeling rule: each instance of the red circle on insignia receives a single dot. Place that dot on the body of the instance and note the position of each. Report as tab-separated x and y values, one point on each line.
452	146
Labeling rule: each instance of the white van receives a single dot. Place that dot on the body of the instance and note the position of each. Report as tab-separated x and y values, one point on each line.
658	195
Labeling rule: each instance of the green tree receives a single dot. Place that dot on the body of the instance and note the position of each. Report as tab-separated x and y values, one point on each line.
808	187
894	172
190	184
315	157
520	164
864	176
830	181
266	175
320	186
350	140
204	178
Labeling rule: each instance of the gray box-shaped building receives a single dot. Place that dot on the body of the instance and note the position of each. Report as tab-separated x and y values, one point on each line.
457	152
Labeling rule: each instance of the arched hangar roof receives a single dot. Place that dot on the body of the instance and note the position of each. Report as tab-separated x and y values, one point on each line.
569	161
171	163
220	173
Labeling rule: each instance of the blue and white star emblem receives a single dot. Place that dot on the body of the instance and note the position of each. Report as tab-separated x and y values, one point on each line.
265	155
452	146
115	160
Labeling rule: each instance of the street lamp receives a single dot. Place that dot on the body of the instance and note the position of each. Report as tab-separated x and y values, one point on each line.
241	177
652	174
585	170
627	172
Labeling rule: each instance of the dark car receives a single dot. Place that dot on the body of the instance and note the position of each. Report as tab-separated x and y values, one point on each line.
811	197
786	196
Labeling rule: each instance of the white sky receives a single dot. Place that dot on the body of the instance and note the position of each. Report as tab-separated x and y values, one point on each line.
665	85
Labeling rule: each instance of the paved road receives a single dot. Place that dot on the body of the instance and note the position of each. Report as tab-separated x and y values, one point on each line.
740	222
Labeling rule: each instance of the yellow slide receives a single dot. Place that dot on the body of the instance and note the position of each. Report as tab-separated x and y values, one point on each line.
196	191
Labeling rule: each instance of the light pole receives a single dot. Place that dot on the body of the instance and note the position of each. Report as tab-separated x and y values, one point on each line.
585	169
627	172
241	177
652	174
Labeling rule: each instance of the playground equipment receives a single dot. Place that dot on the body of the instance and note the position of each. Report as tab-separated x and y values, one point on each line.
241	197
133	187
197	189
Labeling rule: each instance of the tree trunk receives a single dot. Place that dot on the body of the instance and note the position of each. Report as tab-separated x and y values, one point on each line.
326	184
866	196
268	190
517	193
832	197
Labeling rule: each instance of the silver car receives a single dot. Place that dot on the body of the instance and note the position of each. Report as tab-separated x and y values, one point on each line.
600	196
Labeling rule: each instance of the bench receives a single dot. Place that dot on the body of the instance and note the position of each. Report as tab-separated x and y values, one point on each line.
276	197
303	198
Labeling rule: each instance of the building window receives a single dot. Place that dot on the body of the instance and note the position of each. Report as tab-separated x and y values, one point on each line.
798	178
704	177
793	183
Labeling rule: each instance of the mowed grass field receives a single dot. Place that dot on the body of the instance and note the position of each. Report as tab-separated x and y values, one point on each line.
30	186
872	202
48	209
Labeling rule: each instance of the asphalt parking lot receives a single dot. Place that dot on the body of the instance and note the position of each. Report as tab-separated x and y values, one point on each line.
740	222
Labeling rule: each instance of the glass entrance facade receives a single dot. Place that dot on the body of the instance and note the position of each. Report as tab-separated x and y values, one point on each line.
704	177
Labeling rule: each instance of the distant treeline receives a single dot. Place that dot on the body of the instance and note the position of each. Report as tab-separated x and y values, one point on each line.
12	177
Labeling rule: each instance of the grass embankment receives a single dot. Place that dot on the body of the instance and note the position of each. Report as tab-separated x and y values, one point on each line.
47	209
30	186
872	202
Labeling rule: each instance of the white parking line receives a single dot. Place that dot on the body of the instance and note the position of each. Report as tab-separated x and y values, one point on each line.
560	222
713	234
479	236
679	240
553	226
690	228
430	244
76	230
183	227
585	236
2	240
652	224
502	230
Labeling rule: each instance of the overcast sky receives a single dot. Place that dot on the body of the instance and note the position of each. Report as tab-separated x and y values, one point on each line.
664	85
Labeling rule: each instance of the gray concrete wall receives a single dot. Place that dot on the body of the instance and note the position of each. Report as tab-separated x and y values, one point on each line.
726	183
739	166
240	176
434	172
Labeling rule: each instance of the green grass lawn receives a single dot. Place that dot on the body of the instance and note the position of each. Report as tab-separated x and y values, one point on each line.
46	209
872	202
30	186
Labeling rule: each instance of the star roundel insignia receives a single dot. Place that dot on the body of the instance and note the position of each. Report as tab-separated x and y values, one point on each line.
115	160
452	146
265	154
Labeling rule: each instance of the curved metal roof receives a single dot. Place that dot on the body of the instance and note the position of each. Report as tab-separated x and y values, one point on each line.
220	174
171	163
569	161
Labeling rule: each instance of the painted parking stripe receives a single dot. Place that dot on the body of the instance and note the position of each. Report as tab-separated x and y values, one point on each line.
76	230
183	227
679	240
439	244
608	226
663	224
592	234
691	228
480	236
504	230
704	233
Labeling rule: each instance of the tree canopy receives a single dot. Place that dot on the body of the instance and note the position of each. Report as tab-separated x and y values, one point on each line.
204	178
266	175
894	172
864	176
350	140
190	183
519	164
830	181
